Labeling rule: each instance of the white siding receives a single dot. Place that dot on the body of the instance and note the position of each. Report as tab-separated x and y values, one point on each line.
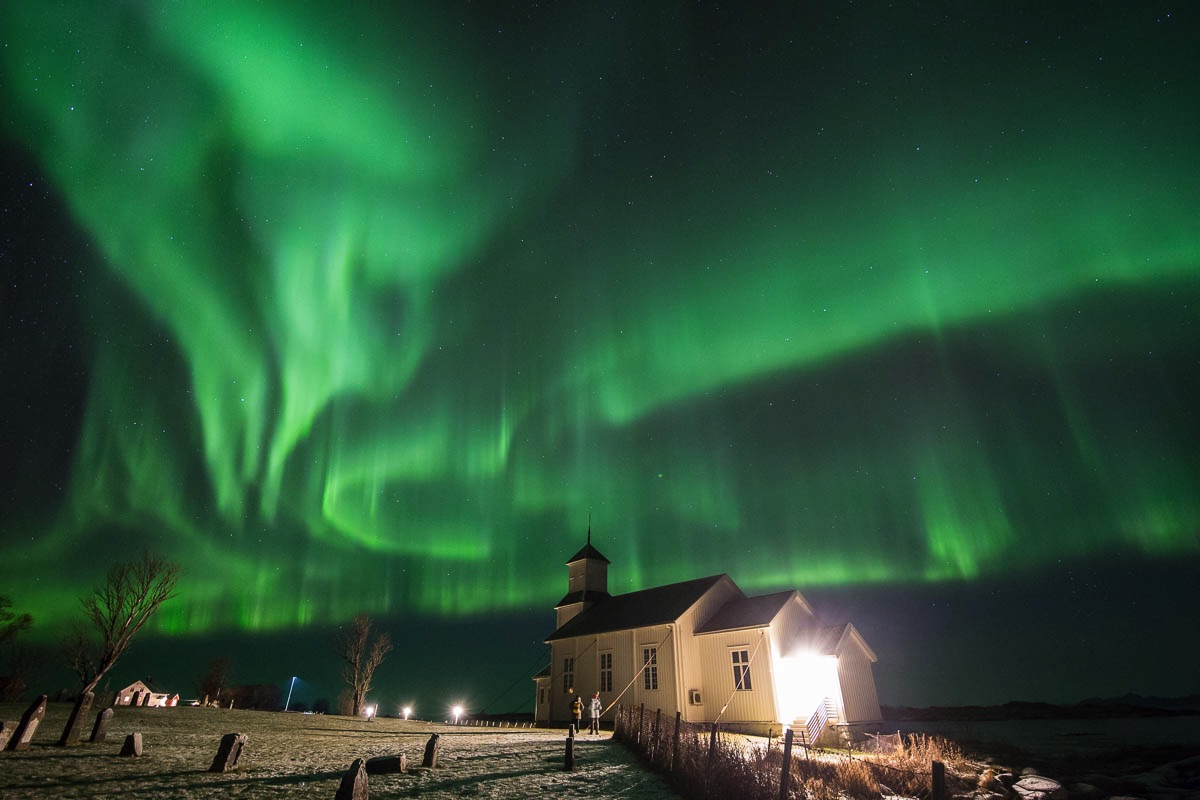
792	621
716	663
542	698
560	702
860	703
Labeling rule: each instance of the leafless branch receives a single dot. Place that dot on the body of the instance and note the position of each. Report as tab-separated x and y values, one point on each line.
117	610
360	658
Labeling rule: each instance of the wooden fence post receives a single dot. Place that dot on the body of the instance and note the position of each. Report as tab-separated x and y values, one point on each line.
712	745
785	776
654	733
675	743
939	780
641	717
569	762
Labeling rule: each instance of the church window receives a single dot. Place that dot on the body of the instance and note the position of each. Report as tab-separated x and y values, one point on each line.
741	670
606	671
650	667
568	674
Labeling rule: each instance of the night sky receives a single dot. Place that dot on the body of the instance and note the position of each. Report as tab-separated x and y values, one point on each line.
348	308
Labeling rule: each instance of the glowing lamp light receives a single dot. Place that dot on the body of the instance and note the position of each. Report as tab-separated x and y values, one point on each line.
369	712
406	711
457	712
804	681
289	697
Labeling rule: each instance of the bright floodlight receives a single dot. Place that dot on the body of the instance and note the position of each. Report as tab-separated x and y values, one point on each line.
406	711
457	711
289	699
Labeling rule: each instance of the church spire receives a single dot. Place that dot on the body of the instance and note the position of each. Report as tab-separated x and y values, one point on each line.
587	580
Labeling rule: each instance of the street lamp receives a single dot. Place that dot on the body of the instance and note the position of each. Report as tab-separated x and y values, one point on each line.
407	710
288	702
457	711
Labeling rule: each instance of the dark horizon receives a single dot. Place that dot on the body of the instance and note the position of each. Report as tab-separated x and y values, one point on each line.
928	656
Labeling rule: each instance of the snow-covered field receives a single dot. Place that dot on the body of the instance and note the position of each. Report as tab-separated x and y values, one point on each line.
301	756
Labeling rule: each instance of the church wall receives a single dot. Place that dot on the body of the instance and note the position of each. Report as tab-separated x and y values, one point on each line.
860	703
716	663
792	623
664	697
692	675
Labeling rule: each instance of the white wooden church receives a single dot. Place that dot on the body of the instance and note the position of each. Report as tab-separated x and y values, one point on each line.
702	647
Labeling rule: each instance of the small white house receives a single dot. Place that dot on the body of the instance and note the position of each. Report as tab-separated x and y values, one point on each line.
141	693
704	648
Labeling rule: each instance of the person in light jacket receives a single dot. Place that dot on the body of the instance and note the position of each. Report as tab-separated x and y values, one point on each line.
597	708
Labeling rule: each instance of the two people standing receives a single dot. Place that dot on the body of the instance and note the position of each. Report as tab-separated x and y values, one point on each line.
596	708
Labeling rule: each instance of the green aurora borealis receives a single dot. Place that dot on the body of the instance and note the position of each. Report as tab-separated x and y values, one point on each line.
355	308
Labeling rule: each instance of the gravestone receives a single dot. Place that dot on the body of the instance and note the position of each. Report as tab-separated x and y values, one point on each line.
74	729
132	745
354	783
100	729
387	765
6	731
29	723
229	752
431	751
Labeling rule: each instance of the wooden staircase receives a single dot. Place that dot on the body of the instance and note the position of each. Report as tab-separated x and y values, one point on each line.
808	732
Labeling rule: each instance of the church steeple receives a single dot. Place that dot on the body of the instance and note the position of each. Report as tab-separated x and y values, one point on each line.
587	580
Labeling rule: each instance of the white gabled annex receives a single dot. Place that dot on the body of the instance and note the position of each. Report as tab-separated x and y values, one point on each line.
705	649
144	693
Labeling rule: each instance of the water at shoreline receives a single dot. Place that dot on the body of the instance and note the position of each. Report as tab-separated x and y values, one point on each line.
1064	738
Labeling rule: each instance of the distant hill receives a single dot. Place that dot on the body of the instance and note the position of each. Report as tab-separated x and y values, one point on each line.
1189	703
1131	705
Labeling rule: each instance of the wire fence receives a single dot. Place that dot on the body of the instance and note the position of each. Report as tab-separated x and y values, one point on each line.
701	761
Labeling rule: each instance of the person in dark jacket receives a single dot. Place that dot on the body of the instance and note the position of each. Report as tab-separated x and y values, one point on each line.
577	710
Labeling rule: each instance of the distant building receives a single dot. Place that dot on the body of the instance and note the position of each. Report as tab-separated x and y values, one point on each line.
142	693
702	647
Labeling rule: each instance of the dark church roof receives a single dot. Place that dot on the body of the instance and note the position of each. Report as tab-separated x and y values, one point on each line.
580	596
746	612
656	606
587	551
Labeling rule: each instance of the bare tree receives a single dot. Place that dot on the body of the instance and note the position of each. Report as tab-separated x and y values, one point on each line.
11	624
215	679
15	661
117	610
360	658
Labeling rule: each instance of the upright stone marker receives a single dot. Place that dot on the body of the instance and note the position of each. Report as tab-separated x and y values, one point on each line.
132	745
354	783
29	723
6	731
100	729
229	752
431	752
74	729
387	765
